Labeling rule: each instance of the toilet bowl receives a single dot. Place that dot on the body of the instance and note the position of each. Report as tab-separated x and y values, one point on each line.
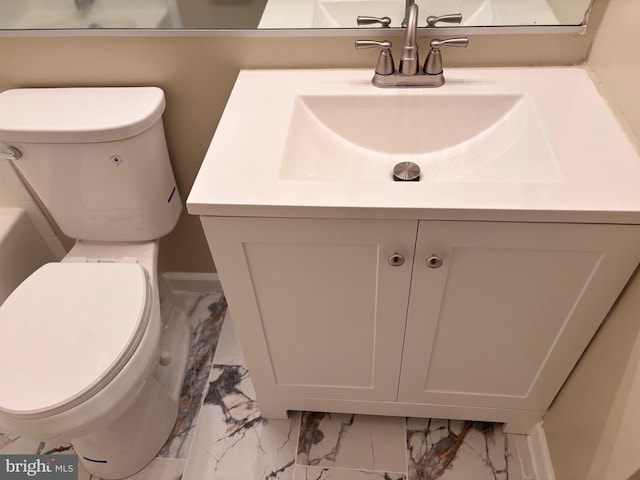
90	351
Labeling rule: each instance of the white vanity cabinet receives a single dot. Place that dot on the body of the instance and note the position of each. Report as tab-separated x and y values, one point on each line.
504	319
319	311
482	321
527	207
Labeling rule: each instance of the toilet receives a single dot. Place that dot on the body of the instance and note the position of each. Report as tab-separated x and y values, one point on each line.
92	351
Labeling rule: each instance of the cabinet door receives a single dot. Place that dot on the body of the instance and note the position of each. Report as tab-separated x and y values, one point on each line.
320	312
504	319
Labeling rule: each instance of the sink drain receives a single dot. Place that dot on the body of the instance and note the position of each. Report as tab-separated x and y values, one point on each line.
406	172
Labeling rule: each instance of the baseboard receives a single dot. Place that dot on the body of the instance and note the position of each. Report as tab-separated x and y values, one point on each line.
540	456
193	282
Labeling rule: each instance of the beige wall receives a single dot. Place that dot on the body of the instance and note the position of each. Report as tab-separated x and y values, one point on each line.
592	427
615	60
585	419
197	74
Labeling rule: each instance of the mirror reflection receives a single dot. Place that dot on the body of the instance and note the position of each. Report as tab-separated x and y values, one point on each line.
344	13
250	14
54	14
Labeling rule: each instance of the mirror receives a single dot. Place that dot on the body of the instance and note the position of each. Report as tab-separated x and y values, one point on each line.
276	14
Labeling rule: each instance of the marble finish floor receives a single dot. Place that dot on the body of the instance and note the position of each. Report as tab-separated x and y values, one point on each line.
220	434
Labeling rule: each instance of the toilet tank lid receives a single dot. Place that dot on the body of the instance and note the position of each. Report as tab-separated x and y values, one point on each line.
78	115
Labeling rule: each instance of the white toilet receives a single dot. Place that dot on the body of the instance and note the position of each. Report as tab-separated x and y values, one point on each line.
89	351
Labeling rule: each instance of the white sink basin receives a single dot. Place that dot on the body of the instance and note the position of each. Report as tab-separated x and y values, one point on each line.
343	13
451	137
529	144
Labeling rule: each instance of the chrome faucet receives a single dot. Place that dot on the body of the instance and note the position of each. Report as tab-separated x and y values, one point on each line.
409	73
83	4
385	22
409	63
407	6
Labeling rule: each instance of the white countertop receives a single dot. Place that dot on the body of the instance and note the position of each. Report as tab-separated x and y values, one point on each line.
599	170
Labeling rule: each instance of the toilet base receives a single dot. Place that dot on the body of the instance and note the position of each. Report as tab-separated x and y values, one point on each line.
132	441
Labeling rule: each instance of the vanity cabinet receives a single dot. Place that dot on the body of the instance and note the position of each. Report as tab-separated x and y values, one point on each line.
448	319
319	311
504	319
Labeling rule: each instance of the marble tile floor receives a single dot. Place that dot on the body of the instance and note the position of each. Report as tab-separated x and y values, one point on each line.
220	434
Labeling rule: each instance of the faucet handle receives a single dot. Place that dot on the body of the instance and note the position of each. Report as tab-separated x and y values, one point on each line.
384	22
385	65
451	18
433	63
451	42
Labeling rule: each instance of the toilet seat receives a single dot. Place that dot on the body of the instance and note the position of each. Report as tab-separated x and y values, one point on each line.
66	332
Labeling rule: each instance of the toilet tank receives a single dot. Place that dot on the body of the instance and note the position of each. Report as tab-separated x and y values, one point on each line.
96	157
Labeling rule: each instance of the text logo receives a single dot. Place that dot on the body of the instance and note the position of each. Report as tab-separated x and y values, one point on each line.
38	467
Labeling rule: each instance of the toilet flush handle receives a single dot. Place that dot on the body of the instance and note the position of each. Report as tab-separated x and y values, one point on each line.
12	154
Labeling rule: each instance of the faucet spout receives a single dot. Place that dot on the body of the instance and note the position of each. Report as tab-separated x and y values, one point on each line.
409	62
409	73
407	4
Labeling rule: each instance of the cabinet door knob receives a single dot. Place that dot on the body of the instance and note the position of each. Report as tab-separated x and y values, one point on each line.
434	261
396	260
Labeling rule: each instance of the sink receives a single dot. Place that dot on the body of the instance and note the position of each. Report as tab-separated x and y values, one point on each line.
343	13
451	137
518	144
